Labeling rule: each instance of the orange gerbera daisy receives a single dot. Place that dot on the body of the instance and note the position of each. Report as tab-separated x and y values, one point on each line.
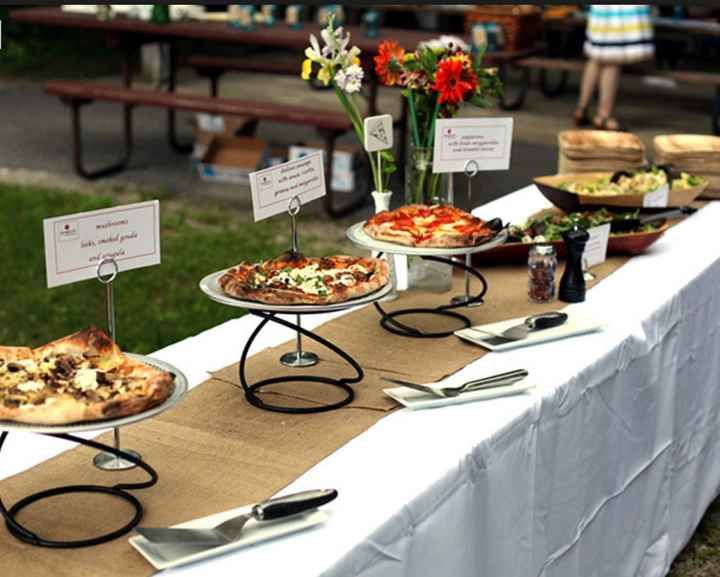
454	80
388	62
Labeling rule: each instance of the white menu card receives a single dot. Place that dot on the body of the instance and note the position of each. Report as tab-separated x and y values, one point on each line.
75	244
274	187
596	247
487	141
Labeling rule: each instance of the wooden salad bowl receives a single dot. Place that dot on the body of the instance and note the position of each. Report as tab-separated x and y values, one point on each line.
628	243
571	202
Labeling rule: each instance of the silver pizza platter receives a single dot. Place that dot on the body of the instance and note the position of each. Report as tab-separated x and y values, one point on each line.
181	387
212	289
358	236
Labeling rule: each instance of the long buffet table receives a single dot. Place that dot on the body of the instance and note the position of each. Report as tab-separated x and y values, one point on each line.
604	470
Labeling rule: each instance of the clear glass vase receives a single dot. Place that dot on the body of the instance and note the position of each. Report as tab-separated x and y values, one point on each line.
422	186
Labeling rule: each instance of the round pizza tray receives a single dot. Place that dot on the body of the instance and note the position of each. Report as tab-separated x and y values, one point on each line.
181	387
357	235
212	289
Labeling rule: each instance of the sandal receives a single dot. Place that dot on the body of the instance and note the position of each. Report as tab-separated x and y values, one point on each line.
607	123
581	117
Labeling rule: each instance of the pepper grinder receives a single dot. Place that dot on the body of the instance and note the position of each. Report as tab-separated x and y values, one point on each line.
572	283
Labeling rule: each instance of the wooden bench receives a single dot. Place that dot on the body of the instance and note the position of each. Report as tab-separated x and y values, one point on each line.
329	124
566	66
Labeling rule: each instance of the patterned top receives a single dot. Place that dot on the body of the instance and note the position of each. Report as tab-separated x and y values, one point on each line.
619	33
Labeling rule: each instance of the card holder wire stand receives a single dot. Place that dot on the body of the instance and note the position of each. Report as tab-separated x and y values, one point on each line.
298	358
112	460
389	320
471	170
118	490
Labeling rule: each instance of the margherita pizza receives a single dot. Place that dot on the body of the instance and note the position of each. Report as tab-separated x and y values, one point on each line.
82	377
303	280
437	226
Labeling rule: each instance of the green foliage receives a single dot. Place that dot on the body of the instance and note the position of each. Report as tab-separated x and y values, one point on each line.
155	306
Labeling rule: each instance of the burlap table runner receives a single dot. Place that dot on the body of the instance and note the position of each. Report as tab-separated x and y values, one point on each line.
215	451
382	353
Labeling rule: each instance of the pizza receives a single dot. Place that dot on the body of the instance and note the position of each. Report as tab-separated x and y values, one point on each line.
289	280
81	377
436	226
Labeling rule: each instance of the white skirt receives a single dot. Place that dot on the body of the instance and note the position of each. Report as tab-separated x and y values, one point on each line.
619	33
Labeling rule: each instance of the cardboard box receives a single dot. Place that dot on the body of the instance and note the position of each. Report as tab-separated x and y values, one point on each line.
208	126
346	162
232	159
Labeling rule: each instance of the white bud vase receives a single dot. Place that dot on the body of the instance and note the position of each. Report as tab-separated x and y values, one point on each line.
382	202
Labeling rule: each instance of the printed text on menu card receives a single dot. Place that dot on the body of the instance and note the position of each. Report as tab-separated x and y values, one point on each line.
486	141
76	244
273	188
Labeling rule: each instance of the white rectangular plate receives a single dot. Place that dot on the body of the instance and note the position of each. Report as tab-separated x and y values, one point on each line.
577	324
165	555
415	400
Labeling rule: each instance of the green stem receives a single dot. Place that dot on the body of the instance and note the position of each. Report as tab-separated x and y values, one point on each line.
436	111
353	113
413	117
434	188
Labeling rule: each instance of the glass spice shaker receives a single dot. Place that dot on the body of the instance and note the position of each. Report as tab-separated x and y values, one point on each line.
542	263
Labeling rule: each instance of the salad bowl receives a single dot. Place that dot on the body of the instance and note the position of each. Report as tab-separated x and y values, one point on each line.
597	189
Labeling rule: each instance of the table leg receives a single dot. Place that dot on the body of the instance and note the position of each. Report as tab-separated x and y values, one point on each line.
519	100
171	116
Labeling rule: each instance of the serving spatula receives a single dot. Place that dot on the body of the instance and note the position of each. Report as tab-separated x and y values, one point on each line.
231	529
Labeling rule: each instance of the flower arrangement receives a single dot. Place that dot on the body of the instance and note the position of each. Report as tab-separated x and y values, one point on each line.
336	63
436	79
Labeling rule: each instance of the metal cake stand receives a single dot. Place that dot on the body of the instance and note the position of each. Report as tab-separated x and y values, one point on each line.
389	320
298	358
120	490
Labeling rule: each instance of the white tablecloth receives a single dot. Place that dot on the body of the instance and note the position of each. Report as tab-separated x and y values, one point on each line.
604	470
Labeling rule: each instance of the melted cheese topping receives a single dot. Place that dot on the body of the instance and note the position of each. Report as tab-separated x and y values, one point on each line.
85	379
310	279
30	386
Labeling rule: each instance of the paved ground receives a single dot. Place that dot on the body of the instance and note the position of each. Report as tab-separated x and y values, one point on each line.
36	133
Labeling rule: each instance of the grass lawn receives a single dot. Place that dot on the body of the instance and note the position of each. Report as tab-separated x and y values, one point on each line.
155	306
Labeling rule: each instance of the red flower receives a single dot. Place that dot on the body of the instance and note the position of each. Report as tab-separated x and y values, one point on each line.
388	62
454	80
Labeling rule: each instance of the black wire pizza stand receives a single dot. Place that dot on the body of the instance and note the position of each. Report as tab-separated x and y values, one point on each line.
389	320
119	490
270	313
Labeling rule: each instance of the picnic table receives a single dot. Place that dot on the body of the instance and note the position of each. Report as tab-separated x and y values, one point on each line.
128	34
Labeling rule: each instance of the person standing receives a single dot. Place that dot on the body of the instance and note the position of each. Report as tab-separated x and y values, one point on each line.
616	34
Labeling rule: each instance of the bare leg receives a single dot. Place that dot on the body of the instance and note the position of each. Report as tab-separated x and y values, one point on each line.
589	82
609	82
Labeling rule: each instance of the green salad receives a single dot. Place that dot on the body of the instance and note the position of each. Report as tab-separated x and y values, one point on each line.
686	181
550	227
636	184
